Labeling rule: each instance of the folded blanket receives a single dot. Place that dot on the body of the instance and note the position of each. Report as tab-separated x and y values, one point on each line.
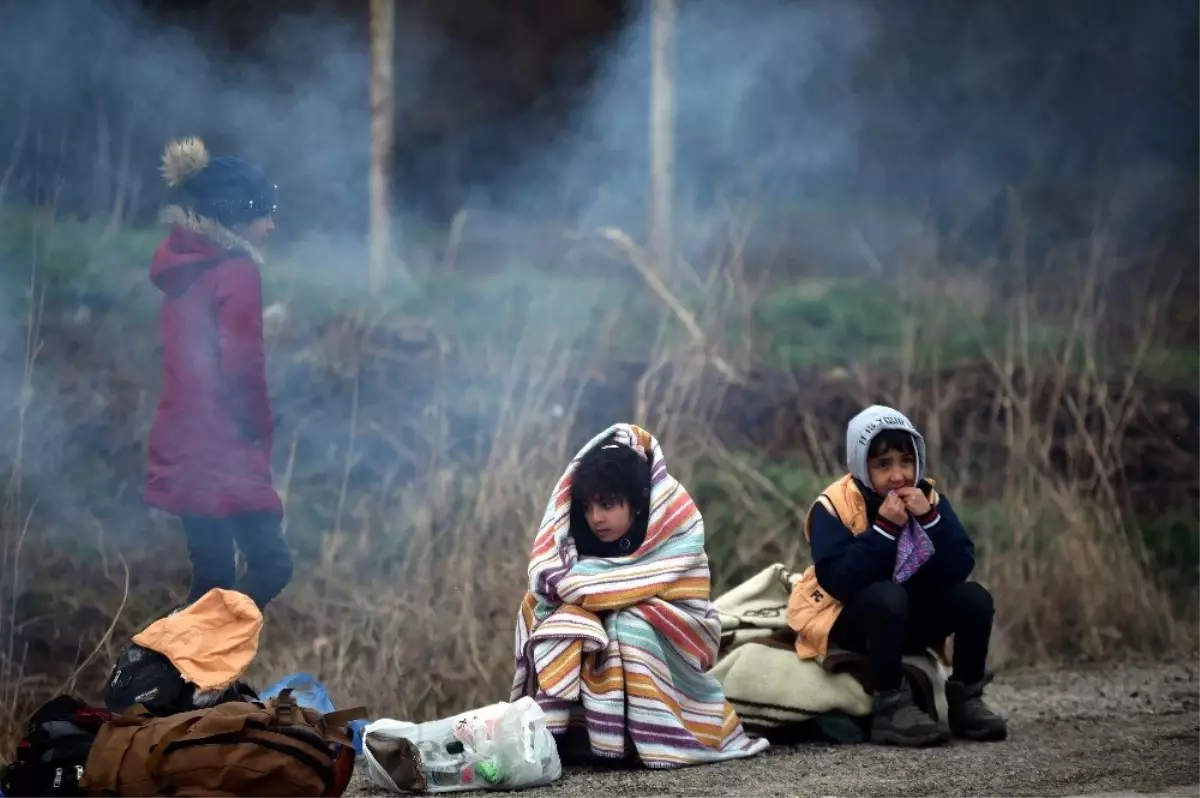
769	685
776	693
757	608
622	644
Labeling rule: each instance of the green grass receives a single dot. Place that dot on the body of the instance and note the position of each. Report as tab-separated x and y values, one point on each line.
807	324
81	253
817	324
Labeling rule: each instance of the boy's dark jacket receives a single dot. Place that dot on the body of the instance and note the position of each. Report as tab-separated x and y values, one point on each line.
846	563
853	547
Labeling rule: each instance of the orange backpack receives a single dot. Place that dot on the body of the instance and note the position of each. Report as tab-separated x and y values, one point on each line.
239	748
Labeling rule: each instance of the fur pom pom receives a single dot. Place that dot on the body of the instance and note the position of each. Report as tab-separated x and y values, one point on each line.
183	158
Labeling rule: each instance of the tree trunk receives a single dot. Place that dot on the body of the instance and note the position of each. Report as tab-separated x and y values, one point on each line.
383	39
662	134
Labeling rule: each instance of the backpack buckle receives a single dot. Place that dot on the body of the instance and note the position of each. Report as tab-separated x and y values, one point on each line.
285	708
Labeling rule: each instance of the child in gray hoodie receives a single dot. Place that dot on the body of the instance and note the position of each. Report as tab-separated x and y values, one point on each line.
891	563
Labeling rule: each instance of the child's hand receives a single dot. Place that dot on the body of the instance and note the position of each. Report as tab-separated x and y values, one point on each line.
914	501
893	509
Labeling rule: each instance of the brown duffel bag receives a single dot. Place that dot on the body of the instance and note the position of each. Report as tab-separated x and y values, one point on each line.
239	748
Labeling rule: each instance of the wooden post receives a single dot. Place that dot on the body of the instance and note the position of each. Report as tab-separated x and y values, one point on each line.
662	133
383	42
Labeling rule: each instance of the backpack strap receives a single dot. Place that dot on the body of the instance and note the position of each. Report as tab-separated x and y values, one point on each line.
344	716
285	709
335	724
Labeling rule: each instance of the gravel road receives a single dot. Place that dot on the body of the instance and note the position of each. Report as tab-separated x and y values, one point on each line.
1115	730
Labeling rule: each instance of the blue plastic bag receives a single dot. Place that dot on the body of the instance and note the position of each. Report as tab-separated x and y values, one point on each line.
305	688
310	693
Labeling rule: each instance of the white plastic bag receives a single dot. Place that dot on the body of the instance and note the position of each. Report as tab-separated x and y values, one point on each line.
498	747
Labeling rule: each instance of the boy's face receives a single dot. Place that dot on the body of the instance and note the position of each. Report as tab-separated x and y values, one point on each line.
610	517
892	470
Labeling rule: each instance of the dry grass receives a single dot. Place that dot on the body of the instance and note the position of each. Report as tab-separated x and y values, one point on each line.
408	604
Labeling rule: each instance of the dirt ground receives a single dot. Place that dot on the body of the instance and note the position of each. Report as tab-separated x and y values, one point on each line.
1116	730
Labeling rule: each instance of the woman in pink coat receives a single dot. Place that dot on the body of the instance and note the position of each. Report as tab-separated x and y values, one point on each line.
210	444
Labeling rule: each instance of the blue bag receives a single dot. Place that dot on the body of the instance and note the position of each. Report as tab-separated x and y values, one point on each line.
305	688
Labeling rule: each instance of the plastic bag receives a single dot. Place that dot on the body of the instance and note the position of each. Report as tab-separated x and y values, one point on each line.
305	688
498	747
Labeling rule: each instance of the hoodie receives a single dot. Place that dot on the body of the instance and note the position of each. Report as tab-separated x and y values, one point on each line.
846	563
863	428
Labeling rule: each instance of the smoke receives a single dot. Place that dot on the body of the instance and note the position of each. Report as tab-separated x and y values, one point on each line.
1026	93
876	112
854	105
859	102
104	77
763	104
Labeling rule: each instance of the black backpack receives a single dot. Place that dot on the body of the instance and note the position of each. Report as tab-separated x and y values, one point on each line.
146	677
50	757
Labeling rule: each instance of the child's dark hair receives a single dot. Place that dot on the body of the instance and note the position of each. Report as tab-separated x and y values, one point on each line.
892	440
612	471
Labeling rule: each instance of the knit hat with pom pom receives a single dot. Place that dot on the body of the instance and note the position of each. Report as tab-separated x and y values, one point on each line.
227	189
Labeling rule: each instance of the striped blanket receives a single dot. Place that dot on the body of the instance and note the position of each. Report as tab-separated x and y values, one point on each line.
620	647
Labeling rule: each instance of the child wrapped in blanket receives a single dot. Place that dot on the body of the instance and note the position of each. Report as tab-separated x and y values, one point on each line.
890	566
617	631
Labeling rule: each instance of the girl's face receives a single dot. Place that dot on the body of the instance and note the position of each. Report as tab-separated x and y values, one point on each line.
256	232
609	518
891	470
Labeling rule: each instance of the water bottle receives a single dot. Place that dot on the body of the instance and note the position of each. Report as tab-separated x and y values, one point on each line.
448	766
444	775
443	765
463	774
